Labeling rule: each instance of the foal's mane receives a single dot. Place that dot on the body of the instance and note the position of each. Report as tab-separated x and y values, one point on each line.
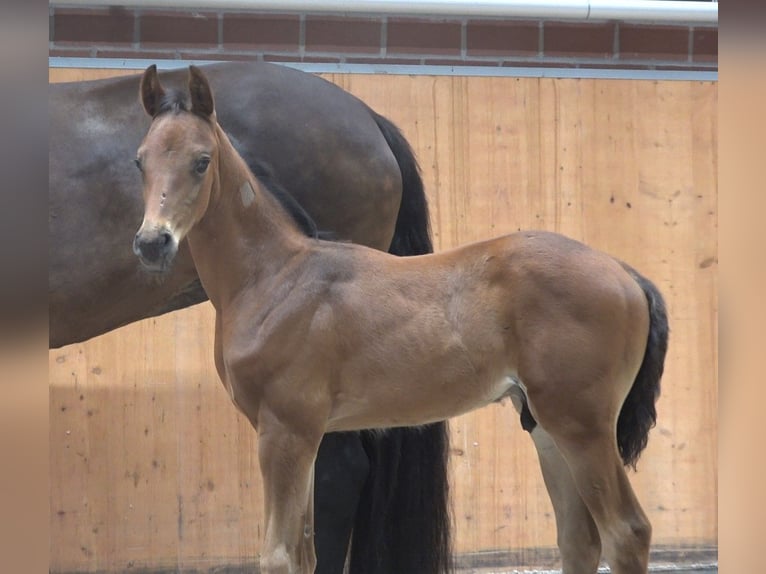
265	176
175	101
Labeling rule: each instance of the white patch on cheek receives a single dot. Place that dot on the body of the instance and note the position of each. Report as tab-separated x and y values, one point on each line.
247	193
174	233
177	232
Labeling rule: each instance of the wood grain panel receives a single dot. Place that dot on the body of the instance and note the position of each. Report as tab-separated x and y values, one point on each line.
151	464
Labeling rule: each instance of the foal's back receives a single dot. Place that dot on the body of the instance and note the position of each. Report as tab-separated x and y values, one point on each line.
472	320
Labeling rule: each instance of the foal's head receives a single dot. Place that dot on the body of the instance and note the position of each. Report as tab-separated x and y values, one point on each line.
178	163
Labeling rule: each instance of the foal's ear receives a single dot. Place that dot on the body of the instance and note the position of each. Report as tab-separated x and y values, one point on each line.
151	91
201	95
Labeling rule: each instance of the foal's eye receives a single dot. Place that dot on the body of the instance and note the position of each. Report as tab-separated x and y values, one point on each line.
201	165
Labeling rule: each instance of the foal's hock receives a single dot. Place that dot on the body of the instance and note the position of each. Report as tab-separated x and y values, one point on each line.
314	336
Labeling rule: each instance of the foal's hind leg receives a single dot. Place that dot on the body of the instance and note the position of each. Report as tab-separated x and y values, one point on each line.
577	534
578	539
584	434
603	484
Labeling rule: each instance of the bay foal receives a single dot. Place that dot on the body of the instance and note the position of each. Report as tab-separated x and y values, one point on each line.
315	336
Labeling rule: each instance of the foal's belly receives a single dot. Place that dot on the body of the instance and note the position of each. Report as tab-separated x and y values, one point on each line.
404	405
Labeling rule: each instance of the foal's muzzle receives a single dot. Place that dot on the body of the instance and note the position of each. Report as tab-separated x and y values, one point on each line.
156	248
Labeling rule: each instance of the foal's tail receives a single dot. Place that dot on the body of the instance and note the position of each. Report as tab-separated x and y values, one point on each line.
403	522
638	414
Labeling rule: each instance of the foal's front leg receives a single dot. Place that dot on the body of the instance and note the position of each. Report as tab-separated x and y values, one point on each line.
286	451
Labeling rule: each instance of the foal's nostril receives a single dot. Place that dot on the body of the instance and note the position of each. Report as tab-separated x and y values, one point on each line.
165	238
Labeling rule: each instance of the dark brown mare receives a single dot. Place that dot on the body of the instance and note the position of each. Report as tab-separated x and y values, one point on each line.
355	175
314	336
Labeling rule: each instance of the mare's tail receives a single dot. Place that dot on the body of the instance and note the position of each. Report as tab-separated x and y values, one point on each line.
638	414
412	235
403	521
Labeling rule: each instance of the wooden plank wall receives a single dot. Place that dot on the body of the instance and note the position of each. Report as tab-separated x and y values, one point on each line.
152	466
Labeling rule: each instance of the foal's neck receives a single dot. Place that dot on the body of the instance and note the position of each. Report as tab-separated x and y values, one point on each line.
245	236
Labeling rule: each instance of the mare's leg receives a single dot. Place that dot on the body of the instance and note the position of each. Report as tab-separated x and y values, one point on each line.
583	431
341	469
578	538
286	450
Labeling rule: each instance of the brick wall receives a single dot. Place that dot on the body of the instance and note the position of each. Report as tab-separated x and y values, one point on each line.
232	35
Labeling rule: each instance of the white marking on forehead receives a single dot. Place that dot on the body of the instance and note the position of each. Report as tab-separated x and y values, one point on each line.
247	193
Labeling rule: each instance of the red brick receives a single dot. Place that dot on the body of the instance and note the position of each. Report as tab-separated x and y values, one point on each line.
385	60
499	39
578	40
705	45
654	43
282	57
423	37
613	65
299	58
455	62
686	67
217	55
179	29
320	59
537	64
70	52
93	26
143	54
261	32
354	35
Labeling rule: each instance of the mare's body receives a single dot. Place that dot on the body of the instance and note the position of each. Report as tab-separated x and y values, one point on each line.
314	336
322	144
355	175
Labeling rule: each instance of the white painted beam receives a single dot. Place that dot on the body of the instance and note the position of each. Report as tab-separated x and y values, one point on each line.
655	11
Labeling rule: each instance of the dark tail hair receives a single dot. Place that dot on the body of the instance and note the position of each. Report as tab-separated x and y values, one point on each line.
403	522
638	414
412	235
